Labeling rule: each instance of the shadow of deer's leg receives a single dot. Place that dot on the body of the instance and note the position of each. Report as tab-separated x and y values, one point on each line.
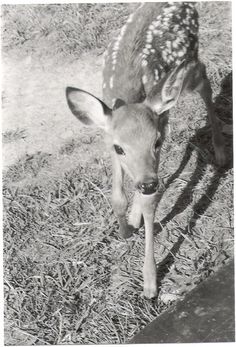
204	88
148	204
119	199
135	217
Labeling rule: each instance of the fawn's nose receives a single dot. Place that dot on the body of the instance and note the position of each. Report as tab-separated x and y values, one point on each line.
148	188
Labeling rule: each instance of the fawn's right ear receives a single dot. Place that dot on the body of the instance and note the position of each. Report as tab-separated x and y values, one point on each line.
172	87
170	92
87	108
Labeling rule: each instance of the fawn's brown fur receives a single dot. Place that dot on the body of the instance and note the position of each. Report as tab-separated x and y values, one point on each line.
146	68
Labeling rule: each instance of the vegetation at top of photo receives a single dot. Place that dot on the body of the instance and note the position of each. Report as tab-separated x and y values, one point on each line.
68	29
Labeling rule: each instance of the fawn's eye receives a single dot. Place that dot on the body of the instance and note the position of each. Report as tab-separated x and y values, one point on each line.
158	143
119	150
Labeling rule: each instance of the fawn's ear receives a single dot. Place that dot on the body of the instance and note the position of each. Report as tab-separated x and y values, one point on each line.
172	87
118	103
170	90
87	108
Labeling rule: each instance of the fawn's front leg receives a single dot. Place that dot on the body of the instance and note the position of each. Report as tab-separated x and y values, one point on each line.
148	204
119	199
135	217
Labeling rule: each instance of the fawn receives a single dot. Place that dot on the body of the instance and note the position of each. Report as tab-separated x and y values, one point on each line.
146	68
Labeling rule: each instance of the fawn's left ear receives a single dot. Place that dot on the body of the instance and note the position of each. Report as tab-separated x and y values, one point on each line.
88	108
170	90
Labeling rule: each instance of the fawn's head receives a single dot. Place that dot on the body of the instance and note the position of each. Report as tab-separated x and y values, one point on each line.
136	131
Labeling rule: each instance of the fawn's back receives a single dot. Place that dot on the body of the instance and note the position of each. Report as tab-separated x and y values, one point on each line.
156	38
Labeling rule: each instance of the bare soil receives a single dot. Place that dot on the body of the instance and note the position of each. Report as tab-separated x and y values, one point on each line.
34	102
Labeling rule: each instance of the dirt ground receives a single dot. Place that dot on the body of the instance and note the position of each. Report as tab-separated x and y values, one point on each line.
34	102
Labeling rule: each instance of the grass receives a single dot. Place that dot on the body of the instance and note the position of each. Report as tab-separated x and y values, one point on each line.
68	276
12	136
64	29
27	166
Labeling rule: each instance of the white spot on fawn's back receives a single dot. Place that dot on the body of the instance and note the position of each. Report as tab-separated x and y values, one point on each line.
113	101
180	53
130	19
156	74
144	62
111	82
144	79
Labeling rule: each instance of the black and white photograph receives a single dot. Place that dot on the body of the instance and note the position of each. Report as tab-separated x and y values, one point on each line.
117	172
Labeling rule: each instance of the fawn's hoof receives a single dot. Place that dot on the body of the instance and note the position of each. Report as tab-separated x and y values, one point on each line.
150	291
227	129
126	232
220	156
135	222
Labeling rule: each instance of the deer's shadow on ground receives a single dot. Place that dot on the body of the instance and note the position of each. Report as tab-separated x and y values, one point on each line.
201	140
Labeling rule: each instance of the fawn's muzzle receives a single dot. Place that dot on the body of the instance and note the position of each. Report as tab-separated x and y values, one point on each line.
148	188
